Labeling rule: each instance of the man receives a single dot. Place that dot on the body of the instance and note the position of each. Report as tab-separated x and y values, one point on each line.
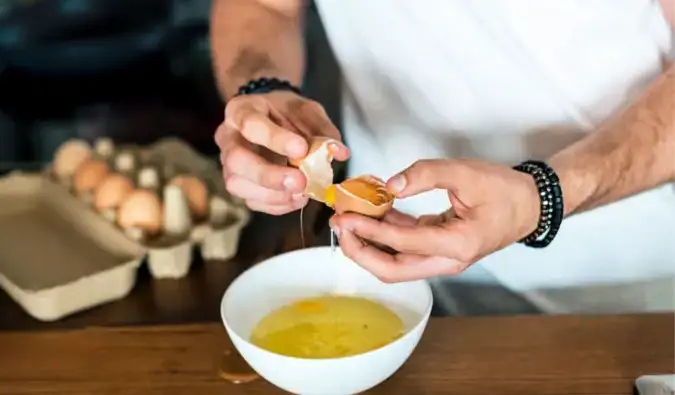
502	82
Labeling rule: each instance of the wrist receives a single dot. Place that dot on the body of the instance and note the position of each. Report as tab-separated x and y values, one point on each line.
267	85
577	185
551	203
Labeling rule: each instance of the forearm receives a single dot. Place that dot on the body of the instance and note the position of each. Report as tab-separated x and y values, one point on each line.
633	152
256	38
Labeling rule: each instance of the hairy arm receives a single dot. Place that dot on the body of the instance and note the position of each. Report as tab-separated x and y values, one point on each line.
632	152
256	38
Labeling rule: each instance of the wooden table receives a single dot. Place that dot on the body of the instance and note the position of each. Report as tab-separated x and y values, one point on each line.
503	355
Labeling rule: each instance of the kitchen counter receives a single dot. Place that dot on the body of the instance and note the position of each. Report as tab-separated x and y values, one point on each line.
491	355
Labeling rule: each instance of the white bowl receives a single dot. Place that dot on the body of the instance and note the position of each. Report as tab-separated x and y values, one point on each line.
313	272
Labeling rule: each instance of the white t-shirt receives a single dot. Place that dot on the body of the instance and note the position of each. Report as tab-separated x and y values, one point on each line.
510	80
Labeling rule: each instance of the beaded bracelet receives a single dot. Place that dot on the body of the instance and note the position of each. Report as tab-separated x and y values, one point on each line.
266	85
551	203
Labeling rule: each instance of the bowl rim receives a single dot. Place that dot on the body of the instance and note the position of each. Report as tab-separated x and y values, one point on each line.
424	317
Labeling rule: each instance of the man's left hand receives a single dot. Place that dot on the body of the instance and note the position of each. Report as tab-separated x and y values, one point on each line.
493	206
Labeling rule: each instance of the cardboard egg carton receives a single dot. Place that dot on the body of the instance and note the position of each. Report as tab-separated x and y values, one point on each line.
57	258
61	252
178	201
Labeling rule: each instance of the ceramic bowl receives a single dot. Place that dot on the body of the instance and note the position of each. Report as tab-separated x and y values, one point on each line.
313	272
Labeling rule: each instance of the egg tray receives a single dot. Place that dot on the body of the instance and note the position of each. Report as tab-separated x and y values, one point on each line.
57	258
171	256
58	255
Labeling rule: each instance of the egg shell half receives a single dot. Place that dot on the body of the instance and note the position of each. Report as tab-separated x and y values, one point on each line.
345	201
316	167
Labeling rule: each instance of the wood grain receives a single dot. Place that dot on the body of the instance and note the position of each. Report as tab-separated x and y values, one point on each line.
504	355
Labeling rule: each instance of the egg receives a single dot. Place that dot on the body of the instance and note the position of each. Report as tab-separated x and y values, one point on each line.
89	176
196	192
316	167
366	195
141	210
112	192
69	156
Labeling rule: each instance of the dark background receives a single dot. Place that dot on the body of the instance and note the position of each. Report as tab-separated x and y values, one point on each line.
135	70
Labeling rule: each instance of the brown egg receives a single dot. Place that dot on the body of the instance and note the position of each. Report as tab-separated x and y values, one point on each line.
142	210
112	192
366	195
196	192
316	167
69	157
90	175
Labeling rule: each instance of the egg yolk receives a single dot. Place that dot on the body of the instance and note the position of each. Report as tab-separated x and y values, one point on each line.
329	197
365	190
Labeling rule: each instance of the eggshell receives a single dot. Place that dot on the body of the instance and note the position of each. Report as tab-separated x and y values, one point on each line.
366	195
112	192
196	192
141	209
316	167
90	175
70	155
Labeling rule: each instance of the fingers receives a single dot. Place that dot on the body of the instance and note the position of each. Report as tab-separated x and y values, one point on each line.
277	209
340	152
248	190
250	116
426	175
314	119
398	218
394	268
242	162
450	241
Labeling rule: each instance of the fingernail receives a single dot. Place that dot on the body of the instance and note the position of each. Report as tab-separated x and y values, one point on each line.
397	183
289	182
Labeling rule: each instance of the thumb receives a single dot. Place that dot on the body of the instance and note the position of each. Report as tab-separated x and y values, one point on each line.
425	175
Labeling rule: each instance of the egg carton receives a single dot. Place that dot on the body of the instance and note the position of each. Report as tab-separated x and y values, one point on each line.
179	200
57	258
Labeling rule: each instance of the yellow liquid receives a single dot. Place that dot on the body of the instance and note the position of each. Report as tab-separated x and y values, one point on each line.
327	327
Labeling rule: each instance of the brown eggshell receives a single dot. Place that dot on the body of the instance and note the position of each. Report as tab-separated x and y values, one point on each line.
316	143
141	209
196	192
70	155
90	175
348	198
316	167
112	192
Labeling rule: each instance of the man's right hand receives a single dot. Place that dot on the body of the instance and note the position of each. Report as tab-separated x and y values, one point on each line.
259	134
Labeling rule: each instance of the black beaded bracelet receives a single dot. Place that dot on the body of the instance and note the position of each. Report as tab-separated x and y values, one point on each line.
551	203
266	85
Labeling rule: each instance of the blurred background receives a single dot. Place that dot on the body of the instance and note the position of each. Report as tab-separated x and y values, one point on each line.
136	71
133	70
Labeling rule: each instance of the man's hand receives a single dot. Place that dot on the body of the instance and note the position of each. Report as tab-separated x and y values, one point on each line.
493	206
259	133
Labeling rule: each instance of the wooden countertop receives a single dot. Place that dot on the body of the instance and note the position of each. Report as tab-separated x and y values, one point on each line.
500	355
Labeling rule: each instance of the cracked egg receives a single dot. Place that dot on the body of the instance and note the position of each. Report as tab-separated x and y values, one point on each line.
366	195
